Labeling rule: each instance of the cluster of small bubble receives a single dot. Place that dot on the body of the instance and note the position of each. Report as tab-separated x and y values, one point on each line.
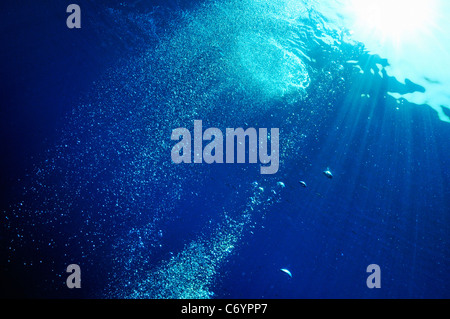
110	181
191	273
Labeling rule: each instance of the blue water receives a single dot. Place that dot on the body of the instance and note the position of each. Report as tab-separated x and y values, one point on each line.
87	177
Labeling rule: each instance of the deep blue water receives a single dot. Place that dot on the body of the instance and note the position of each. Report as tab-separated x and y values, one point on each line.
87	177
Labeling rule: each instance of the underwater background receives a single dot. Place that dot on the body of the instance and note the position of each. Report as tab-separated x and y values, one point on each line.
87	178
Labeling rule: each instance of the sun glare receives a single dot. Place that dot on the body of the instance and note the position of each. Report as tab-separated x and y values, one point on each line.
392	21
